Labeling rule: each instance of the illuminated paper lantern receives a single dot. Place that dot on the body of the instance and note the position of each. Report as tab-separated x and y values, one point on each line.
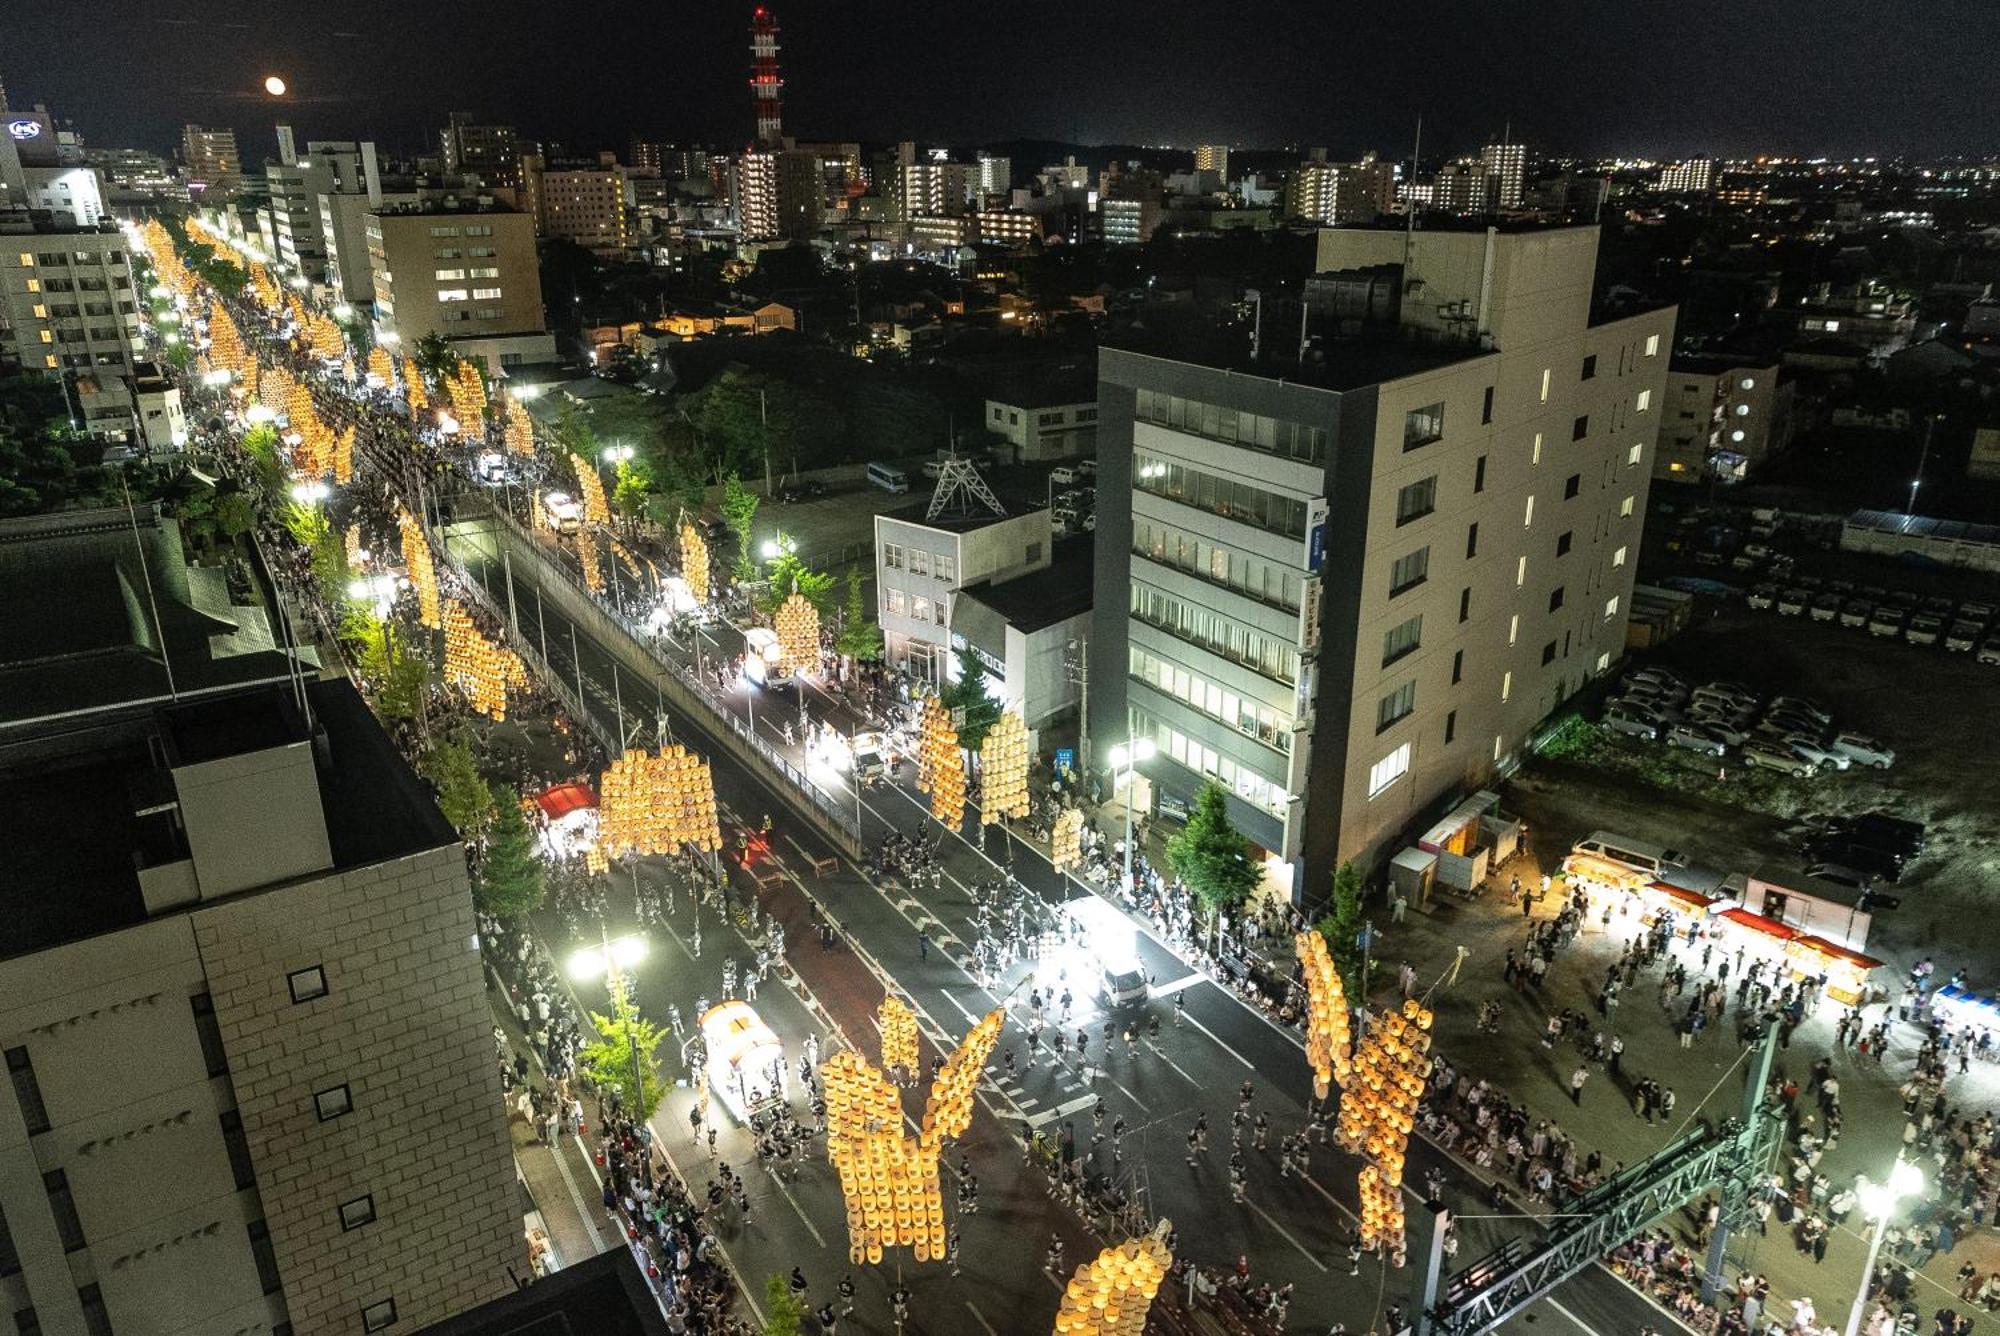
694	562
590	489
899	1035
1003	769
467	391
592	560
797	625
1111	1294
422	573
1328	1036
480	667
940	763
1066	841
414	392
381	366
520	430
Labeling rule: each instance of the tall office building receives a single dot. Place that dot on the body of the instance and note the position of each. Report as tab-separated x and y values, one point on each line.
582	203
1693	177
214	167
464	270
490	152
1508	165
1212	158
1346	586
298	183
995	175
68	309
250	1062
1341	193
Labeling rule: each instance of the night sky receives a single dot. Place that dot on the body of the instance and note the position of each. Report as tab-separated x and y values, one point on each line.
1634	77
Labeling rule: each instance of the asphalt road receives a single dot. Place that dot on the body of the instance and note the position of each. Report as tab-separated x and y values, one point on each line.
1291	1228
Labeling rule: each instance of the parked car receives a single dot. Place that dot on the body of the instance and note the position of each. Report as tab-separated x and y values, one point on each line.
1826	607
1976	612
1864	750
1631	725
1962	636
1883	831
1888	620
1923	630
1808	746
1876	864
1792	602
1903	599
1810	708
1989	649
1696	738
1642	707
1839	874
1939	607
1774	756
1793	720
1762	598
1653	675
1855	612
1730	731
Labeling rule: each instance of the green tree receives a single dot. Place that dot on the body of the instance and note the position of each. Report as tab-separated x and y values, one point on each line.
860	637
786	575
398	672
509	883
633	489
969	694
235	515
608	1061
463	794
783	1315
435	357
1211	855
739	511
260	443
1341	926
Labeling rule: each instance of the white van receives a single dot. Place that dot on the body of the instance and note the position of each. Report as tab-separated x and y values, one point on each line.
561	512
1638	855
764	658
888	477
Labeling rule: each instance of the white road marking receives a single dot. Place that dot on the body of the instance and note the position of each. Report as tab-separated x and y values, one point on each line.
583	1211
797	1209
1172	986
1286	1234
981	1319
1077	1105
1219	1044
1161	1055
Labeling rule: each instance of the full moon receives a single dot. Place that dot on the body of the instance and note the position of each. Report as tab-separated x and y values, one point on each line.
274	86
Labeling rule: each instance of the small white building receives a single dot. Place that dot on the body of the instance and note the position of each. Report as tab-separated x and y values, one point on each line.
921	563
1028	633
157	403
1045	427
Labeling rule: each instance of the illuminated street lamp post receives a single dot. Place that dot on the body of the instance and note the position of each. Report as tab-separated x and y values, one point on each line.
1126	757
1879	1200
611	960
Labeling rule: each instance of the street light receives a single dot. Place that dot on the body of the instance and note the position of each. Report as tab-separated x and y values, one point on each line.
1879	1200
782	544
310	493
1126	757
612	960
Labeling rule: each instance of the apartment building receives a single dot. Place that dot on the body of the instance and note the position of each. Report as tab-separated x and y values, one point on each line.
214	166
1507	164
1338	193
1044	423
1348	588
471	147
920	563
579	203
249	1057
68	309
1212	158
298	184
1725	418
465	269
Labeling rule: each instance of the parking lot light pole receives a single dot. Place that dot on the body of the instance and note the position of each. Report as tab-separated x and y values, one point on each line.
1126	757
611	960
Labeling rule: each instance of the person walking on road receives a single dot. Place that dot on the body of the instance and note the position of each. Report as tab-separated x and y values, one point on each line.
1576	1080
923	943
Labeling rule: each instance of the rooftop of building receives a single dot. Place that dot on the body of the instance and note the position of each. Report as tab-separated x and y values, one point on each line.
43	223
1716	363
1041	598
1331	364
102	611
602	1296
959	519
450	205
86	812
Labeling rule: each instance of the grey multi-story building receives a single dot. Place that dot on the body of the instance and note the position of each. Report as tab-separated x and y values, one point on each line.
1347	588
68	309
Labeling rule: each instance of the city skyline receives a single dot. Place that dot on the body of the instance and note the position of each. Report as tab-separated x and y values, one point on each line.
1083	76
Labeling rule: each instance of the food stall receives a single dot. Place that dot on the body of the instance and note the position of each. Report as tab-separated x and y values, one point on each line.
1472	839
1961	1009
1761	938
568	818
1846	971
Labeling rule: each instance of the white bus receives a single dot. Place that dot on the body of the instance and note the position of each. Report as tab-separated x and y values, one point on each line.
888	477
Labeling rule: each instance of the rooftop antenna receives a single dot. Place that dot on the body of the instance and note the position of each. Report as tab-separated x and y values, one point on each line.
1410	203
959	486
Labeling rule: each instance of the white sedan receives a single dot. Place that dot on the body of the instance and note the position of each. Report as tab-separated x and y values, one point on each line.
1863	750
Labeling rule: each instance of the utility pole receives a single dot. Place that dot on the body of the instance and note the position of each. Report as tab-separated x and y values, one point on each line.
1076	665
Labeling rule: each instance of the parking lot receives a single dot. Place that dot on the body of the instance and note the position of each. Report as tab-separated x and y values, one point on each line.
1940	712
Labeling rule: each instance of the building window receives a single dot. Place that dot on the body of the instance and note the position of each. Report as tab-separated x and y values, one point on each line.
1513	627
1572	485
210	1034
1528	513
1416	500
96	1321
892	556
486	294
899	603
1397	705
27	1091
238	1146
1450	727
1536	457
1471	541
1457	666
920	608
379	1316
266	1256
1464	604
1409	571
1638	448
1556	598
1618	557
307	984
1625	507
1589	368
453	295
10	1257
1520	570
1421	426
358	1212
1604	661
69	1227
1034	553
920	561
26	1323
938	610
1506	686
1486	408
1652	344
333	1102
1545	384
1402	639
1644	401
450	275
1388	770
1548	654
1563	542
1580	428
1611	607
1479	475
947	568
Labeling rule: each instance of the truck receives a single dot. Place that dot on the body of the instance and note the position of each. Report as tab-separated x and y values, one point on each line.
746	1063
871	758
764	659
561	512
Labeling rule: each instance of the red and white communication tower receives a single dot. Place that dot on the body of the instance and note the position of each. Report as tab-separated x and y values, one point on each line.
765	85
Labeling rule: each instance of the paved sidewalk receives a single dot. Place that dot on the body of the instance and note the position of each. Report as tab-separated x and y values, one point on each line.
560	1180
